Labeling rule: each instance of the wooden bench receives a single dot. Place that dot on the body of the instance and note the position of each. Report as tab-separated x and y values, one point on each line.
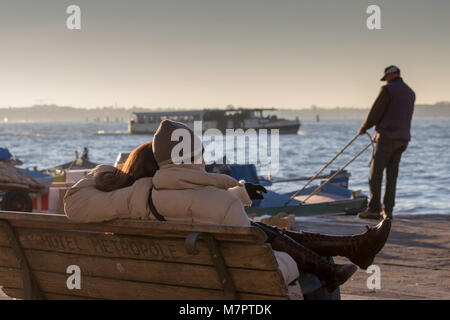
135	259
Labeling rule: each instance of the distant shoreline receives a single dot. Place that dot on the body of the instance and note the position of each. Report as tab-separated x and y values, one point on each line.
126	121
49	113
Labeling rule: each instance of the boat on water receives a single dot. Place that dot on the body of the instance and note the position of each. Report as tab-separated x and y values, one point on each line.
76	164
17	186
221	119
334	197
79	163
7	157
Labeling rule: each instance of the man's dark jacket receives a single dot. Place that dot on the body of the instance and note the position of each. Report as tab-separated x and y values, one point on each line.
392	111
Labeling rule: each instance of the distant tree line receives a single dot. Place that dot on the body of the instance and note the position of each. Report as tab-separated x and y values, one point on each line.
113	114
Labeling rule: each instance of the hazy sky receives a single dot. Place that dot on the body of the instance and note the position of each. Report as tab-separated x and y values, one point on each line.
210	53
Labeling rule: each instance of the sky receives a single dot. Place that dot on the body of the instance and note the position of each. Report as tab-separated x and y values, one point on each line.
212	53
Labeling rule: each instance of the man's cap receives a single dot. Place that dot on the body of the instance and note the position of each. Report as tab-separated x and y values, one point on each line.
390	69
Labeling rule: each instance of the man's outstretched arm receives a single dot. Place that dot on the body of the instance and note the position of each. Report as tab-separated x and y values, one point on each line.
376	113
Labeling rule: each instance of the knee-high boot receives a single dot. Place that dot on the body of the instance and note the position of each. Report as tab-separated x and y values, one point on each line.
360	249
331	275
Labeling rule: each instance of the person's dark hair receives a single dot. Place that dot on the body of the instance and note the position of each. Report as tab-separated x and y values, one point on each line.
139	164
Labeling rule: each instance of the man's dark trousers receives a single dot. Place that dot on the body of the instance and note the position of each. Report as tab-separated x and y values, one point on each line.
387	156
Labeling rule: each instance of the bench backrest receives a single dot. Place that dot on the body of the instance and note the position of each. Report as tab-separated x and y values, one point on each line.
135	259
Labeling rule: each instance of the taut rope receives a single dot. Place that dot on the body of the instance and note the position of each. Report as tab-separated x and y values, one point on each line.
320	187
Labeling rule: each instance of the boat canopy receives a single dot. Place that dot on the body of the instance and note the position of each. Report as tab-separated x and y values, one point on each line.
170	113
156	117
5	154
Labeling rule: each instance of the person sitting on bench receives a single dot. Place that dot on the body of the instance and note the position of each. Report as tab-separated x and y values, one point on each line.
185	192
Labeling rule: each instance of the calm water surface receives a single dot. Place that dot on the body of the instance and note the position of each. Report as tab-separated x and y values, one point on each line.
423	185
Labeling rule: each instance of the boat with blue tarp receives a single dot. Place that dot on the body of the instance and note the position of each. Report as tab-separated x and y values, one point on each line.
334	197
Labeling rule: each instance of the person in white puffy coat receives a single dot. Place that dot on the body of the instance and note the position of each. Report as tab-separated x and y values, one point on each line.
180	192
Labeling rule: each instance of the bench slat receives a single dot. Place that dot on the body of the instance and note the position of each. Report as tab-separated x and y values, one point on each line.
18	294
187	275
133	227
102	288
236	254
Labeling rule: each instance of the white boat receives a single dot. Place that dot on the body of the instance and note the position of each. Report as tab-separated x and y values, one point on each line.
148	122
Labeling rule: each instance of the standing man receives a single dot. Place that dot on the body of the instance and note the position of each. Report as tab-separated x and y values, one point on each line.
391	115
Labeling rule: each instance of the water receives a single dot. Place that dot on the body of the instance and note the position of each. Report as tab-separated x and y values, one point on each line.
423	186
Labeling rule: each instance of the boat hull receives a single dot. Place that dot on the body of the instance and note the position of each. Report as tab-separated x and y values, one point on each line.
289	129
351	206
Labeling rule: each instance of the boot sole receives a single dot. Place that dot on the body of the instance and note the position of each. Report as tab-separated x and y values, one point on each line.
350	272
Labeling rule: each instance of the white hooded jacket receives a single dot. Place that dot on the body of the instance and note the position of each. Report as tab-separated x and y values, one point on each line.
183	193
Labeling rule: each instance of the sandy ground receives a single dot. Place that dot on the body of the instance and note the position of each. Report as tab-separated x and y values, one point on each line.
414	264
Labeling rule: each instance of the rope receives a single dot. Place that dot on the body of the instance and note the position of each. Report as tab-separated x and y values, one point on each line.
372	141
321	170
320	187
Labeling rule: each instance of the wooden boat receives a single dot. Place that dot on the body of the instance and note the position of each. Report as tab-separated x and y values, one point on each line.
12	177
334	197
7	157
76	165
15	188
351	206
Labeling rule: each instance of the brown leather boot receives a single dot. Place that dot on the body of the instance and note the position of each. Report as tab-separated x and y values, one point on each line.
331	275
359	249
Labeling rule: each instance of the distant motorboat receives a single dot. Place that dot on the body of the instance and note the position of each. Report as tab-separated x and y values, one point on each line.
221	119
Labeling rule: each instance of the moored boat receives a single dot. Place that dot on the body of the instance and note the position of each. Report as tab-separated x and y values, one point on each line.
334	197
17	187
79	163
75	165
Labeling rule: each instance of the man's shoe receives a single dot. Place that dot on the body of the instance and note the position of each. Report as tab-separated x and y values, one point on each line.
360	249
387	215
367	214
